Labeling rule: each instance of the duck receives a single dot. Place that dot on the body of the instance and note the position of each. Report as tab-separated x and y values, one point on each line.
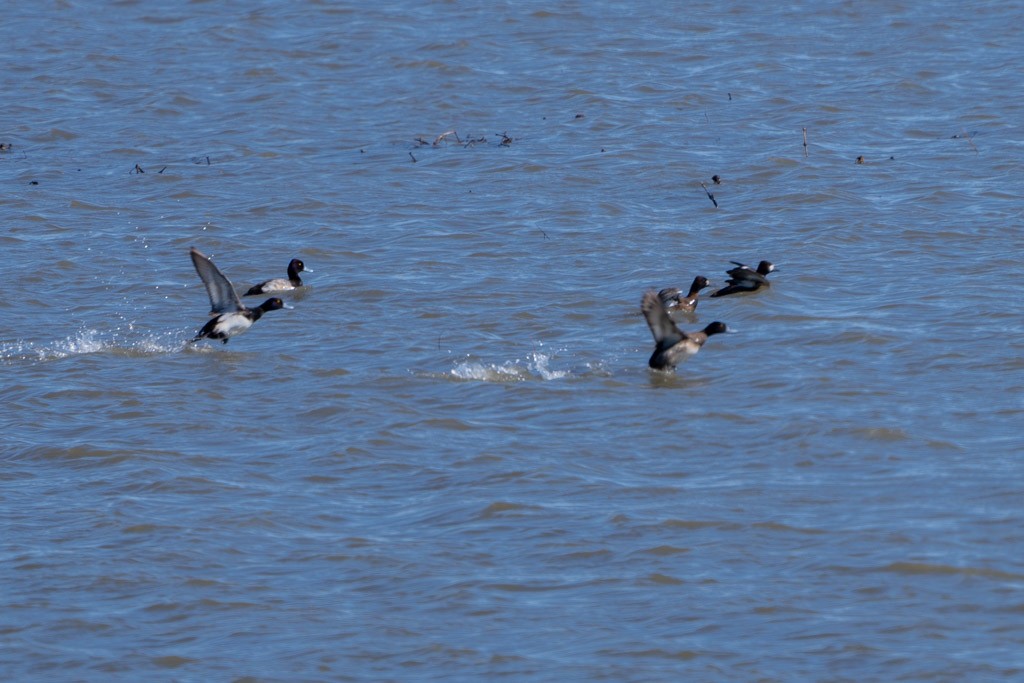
231	318
674	300
295	266
672	345
743	278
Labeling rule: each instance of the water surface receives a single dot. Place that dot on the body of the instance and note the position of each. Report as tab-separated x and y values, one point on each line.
449	461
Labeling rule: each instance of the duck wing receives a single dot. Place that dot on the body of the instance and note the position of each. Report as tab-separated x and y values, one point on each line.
745	276
666	333
223	298
669	294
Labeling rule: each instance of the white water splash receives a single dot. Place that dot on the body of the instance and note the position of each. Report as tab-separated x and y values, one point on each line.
92	341
536	366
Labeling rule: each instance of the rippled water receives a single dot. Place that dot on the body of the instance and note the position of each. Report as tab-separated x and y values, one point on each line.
450	461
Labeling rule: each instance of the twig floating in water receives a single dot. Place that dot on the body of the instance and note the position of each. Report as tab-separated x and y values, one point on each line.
137	169
710	196
805	142
412	157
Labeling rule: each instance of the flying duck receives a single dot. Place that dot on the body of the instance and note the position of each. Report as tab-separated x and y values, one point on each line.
231	318
672	345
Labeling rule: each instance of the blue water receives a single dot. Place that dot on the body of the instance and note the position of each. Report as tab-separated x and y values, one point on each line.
449	461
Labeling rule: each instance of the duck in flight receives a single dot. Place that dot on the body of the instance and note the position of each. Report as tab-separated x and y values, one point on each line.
743	278
672	345
295	266
674	300
231	318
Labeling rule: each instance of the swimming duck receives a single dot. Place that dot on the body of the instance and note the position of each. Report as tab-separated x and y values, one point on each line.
295	266
743	278
672	345
231	318
674	300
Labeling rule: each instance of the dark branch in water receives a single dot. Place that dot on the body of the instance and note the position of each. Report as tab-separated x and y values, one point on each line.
506	140
412	157
136	170
710	196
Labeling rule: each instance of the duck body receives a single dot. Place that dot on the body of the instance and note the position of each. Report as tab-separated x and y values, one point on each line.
743	278
673	298
293	281
231	318
232	324
672	345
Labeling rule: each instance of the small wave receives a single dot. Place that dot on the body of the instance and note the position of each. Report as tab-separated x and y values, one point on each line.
536	366
124	342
